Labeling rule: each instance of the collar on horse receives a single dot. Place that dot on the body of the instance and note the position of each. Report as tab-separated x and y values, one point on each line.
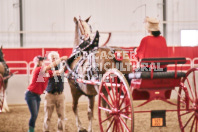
85	46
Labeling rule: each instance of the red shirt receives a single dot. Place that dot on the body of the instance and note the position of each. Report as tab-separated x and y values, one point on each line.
152	47
39	80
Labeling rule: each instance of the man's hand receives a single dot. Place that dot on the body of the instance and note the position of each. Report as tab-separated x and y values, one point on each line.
63	58
56	73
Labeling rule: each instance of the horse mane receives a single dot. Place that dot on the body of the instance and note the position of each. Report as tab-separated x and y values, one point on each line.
76	38
1	56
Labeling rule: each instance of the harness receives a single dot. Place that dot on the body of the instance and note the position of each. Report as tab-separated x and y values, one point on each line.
87	45
87	52
90	73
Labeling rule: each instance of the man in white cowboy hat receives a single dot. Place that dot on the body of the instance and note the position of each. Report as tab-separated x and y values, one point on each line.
153	45
54	97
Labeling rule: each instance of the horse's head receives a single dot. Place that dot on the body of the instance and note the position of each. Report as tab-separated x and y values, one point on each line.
82	30
1	54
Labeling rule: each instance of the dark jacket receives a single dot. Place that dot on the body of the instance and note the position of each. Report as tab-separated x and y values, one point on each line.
55	83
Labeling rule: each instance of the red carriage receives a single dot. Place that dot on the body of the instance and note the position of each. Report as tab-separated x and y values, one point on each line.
148	86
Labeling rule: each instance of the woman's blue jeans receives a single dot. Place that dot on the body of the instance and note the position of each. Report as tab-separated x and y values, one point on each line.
33	101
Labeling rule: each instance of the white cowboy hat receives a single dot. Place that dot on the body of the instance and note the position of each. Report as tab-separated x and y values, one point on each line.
152	24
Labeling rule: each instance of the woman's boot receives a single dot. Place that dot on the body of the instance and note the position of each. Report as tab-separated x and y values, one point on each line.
31	129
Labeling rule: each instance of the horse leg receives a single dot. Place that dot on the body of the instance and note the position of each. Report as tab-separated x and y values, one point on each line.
90	111
75	110
5	105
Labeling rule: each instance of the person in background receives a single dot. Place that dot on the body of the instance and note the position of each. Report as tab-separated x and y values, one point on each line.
54	97
154	45
40	76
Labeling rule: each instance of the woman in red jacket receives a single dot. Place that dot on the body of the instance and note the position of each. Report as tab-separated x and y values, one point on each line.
40	76
153	45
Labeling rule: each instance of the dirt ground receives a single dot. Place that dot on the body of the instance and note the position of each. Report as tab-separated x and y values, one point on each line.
17	119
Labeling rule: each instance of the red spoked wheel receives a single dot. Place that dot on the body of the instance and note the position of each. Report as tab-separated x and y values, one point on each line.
2	92
188	102
115	108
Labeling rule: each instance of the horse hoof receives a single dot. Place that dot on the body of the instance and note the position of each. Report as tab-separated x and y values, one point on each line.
84	130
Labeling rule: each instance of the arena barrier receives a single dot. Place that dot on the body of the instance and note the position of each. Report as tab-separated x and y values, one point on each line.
195	62
21	60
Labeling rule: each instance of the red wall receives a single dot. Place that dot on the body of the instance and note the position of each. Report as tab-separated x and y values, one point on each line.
190	52
27	54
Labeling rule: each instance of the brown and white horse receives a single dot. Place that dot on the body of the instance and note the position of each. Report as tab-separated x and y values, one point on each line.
102	56
4	71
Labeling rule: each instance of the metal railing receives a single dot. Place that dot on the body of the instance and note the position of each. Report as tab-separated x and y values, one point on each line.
194	63
19	68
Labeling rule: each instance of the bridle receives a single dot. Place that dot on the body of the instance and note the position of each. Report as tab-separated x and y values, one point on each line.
82	29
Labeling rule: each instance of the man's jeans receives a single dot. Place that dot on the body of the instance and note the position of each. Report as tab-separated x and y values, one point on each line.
33	101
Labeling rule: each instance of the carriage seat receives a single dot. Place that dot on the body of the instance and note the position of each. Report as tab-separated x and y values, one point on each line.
147	75
161	61
164	61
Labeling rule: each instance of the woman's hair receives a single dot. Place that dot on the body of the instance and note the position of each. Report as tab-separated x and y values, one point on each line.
155	33
35	66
